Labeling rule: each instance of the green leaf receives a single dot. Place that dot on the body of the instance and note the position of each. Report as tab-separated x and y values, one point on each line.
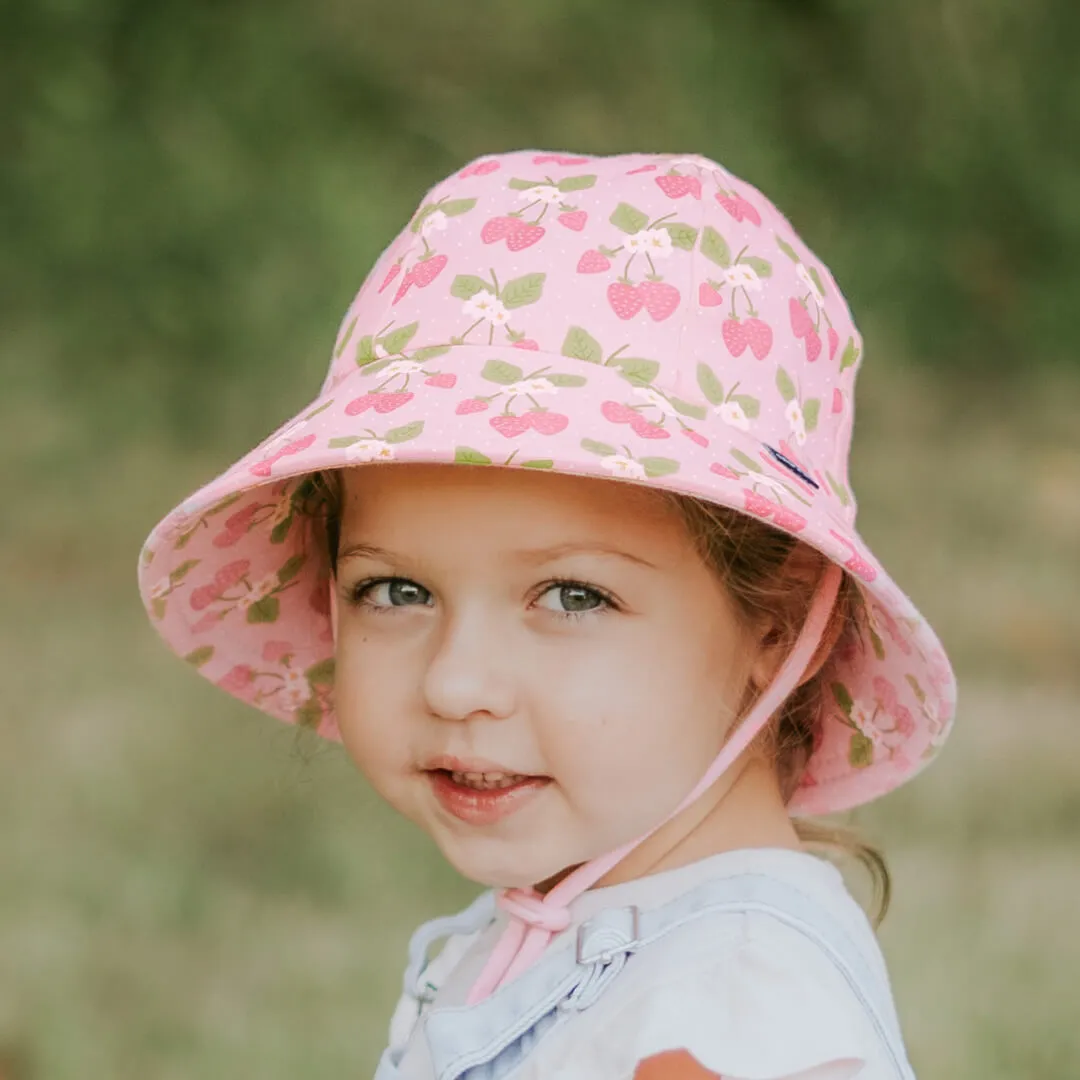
787	249
635	370
843	698
710	385
308	716
918	690
198	657
229	500
421	216
746	461
682	235
861	753
714	247
558	379
345	339
523	290
339	442
499	371
265	610
322	408
182	541
291	569
429	352
524	185
698	412
281	530
628	218
879	646
817	279
466	455
761	267
658	466
595	447
322	673
157	607
545	464
840	491
581	345
454	207
375	368
405	432
182	571
576	183
785	385
466	286
365	350
749	405
811	411
396	341
850	355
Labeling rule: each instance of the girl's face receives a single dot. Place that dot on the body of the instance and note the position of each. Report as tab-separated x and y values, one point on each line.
535	668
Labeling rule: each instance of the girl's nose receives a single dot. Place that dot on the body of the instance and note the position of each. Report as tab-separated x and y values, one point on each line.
471	672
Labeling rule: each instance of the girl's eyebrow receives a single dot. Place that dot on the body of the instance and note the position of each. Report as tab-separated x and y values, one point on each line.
538	556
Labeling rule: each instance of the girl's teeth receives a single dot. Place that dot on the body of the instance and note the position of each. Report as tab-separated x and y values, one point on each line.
485	781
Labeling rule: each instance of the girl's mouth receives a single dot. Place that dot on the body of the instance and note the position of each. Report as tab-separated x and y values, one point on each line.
483	798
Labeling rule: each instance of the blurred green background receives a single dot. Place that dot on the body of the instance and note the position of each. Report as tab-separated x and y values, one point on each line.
191	193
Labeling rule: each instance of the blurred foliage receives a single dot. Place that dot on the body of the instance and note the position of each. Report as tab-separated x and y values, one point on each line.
192	191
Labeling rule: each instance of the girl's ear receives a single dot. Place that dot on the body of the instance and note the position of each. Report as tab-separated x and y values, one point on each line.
777	632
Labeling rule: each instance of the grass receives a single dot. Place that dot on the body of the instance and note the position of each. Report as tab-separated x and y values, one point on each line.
189	892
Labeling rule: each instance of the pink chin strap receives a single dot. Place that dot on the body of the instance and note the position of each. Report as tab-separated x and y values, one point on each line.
535	919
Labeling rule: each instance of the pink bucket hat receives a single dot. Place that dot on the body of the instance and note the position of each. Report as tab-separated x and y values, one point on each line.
643	317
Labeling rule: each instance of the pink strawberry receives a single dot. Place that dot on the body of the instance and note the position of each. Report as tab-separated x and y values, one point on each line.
228	537
834	343
241	520
202	597
427	270
498	228
524	235
546	422
675	186
801	323
661	300
480	168
757	504
695	436
734	336
837	400
758	336
390	275
510	426
642	168
558	159
404	287
788	519
739	208
708	295
573	219
527	343
625	299
359	405
813	346
647	429
444	380
296	446
616	413
385	403
723	470
471	405
231	573
593	262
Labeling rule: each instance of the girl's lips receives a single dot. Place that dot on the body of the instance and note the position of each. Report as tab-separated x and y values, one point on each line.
482	807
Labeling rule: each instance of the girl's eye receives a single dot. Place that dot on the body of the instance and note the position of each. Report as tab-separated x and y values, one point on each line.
572	598
391	593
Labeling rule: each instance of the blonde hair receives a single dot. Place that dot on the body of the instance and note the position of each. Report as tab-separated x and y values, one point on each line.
756	562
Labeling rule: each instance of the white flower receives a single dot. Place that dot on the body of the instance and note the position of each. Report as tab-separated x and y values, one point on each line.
296	689
805	277
282	511
436	220
766	481
746	276
545	193
793	414
379	351
655	399
402	367
533	386
160	589
263	587
654	242
626	467
369	450
691	162
486	306
731	412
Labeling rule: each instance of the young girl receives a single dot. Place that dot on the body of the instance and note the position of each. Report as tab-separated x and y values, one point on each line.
604	628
